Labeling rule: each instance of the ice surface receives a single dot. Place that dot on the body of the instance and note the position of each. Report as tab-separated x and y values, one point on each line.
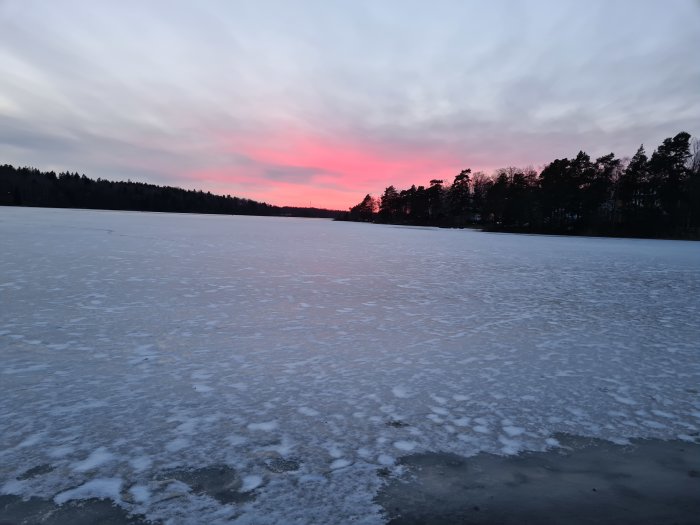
133	344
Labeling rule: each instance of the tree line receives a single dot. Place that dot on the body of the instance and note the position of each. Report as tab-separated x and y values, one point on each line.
28	186
647	196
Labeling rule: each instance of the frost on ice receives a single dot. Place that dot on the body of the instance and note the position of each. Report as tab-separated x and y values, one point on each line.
296	358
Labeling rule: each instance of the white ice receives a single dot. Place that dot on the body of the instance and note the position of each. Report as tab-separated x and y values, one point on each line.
94	460
133	344
251	482
96	488
140	493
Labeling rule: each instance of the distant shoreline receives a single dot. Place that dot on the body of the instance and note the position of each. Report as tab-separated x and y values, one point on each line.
31	187
478	228
549	233
214	214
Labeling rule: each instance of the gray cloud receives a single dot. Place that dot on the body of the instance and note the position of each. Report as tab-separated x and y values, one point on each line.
168	89
290	173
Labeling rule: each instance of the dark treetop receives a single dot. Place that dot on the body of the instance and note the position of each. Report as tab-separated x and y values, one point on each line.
31	187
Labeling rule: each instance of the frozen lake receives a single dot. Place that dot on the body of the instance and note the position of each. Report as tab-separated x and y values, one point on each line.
303	356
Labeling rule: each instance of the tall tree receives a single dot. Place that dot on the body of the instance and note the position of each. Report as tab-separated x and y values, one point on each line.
693	188
668	173
599	200
633	193
480	186
435	195
556	190
458	197
390	205
365	210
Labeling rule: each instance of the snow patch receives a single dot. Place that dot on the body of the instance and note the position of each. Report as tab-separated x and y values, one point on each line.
102	488
340	463
405	446
98	457
140	493
401	392
265	426
177	444
513	431
251	482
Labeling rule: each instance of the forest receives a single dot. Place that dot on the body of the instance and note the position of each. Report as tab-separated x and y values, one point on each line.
32	187
641	196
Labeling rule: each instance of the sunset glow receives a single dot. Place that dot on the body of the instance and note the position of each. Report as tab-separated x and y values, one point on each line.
299	169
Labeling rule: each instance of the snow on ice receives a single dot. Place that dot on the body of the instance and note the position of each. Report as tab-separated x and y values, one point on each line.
305	355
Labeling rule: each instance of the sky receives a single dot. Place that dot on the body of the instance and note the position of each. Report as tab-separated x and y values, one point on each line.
317	103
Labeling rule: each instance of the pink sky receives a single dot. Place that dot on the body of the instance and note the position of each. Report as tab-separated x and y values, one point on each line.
300	169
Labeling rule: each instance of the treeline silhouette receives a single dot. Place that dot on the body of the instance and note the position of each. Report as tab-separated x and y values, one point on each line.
657	196
32	187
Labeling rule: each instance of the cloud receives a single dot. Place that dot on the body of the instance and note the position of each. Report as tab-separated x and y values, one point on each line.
290	173
279	100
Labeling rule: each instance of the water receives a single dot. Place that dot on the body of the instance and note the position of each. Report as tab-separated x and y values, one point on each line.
304	356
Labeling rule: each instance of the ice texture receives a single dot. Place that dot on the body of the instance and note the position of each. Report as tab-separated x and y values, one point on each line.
138	344
95	488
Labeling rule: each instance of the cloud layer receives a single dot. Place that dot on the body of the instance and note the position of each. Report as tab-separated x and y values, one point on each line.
321	102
